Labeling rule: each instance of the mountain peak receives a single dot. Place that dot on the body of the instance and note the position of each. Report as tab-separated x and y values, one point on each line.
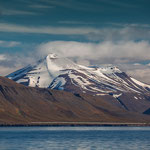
52	56
61	73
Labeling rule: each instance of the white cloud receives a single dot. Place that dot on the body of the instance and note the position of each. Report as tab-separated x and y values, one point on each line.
106	52
124	32
125	54
11	12
40	6
8	64
7	70
141	74
137	64
75	22
2	57
9	43
4	27
11	63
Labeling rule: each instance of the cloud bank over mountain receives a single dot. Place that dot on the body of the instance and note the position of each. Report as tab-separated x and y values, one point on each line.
103	52
125	54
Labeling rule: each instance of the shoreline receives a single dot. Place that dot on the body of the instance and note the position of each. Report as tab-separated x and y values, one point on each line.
74	124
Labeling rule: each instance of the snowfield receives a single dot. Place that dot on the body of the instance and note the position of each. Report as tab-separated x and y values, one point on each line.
63	74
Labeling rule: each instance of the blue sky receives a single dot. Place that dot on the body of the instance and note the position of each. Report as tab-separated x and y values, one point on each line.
115	31
69	14
46	15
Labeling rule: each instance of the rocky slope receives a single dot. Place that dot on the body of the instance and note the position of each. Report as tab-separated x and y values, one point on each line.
21	104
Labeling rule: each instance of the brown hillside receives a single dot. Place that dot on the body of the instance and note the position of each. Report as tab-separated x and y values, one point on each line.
20	104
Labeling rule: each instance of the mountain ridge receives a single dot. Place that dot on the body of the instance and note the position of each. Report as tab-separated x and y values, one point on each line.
54	72
115	86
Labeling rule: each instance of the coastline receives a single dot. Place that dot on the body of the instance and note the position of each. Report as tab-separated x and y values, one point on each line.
74	124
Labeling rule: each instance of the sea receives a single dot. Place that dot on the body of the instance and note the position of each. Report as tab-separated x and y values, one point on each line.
74	138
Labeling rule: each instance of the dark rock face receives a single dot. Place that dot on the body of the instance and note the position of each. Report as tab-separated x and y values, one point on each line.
147	112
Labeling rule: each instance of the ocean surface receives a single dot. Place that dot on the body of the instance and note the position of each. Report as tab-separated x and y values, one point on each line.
74	138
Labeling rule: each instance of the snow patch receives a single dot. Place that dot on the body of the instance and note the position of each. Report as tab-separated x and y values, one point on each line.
140	83
135	97
117	95
52	56
58	83
101	94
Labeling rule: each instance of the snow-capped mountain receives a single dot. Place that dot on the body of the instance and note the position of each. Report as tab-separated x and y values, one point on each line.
61	73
